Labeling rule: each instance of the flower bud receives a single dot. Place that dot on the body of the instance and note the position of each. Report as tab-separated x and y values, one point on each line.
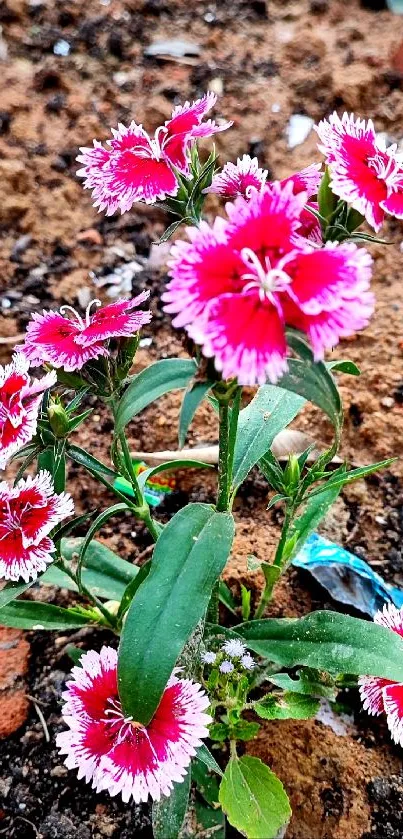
58	419
292	473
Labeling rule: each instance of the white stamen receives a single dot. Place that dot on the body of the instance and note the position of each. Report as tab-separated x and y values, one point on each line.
92	303
78	317
265	278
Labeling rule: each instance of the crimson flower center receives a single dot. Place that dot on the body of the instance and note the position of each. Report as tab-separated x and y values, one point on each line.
263	278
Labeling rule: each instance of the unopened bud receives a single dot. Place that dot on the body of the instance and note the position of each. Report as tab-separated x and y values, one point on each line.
58	419
292	473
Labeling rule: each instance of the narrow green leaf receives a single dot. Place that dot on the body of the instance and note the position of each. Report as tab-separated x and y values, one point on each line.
67	528
327	641
225	597
29	614
169	813
105	573
132	587
170	466
312	380
12	590
288	706
79	419
95	526
191	401
343	478
254	799
207	758
271	410
245	602
316	507
188	558
207	784
161	377
89	462
346	366
53	460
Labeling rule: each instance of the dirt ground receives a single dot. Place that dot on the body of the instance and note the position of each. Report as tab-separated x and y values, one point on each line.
267	60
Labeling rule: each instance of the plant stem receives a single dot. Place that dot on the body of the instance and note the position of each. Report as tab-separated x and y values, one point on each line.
277	564
87	593
224	475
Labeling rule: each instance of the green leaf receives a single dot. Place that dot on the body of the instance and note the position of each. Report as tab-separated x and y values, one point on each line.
327	641
245	602
188	558
11	590
91	463
192	399
67	528
53	460
96	525
206	783
244	730
312	380
161	377
342	478
105	573
211	821
132	587
254	799
171	229
204	755
169	466
225	597
309	682
169	813
316	508
29	614
219	731
346	366
271	410
288	706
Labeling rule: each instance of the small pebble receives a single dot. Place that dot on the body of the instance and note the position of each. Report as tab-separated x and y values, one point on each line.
62	48
387	402
298	129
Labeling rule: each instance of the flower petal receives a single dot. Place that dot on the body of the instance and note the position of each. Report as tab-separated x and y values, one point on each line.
393	704
118	320
245	336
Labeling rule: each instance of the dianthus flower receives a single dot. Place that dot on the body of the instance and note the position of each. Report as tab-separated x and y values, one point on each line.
138	168
238	283
64	342
363	171
381	695
28	513
244	176
19	405
119	754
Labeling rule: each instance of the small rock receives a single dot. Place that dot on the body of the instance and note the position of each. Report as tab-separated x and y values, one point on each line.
387	402
20	246
62	48
174	48
298	129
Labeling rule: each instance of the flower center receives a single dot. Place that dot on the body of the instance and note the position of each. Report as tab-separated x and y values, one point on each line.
82	323
264	278
124	726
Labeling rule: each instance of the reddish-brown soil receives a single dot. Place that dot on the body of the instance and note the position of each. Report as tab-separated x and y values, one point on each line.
270	60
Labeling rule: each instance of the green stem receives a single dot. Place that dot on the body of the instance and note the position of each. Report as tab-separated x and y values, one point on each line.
277	565
224	475
111	620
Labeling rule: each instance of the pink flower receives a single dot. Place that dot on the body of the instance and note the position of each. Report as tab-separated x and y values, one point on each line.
363	172
28	513
119	754
238	178
63	342
138	168
238	283
19	405
381	695
244	176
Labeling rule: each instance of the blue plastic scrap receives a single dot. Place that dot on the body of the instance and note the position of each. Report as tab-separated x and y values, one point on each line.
347	578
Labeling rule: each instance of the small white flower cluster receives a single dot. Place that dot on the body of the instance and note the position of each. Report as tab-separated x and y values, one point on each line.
234	649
